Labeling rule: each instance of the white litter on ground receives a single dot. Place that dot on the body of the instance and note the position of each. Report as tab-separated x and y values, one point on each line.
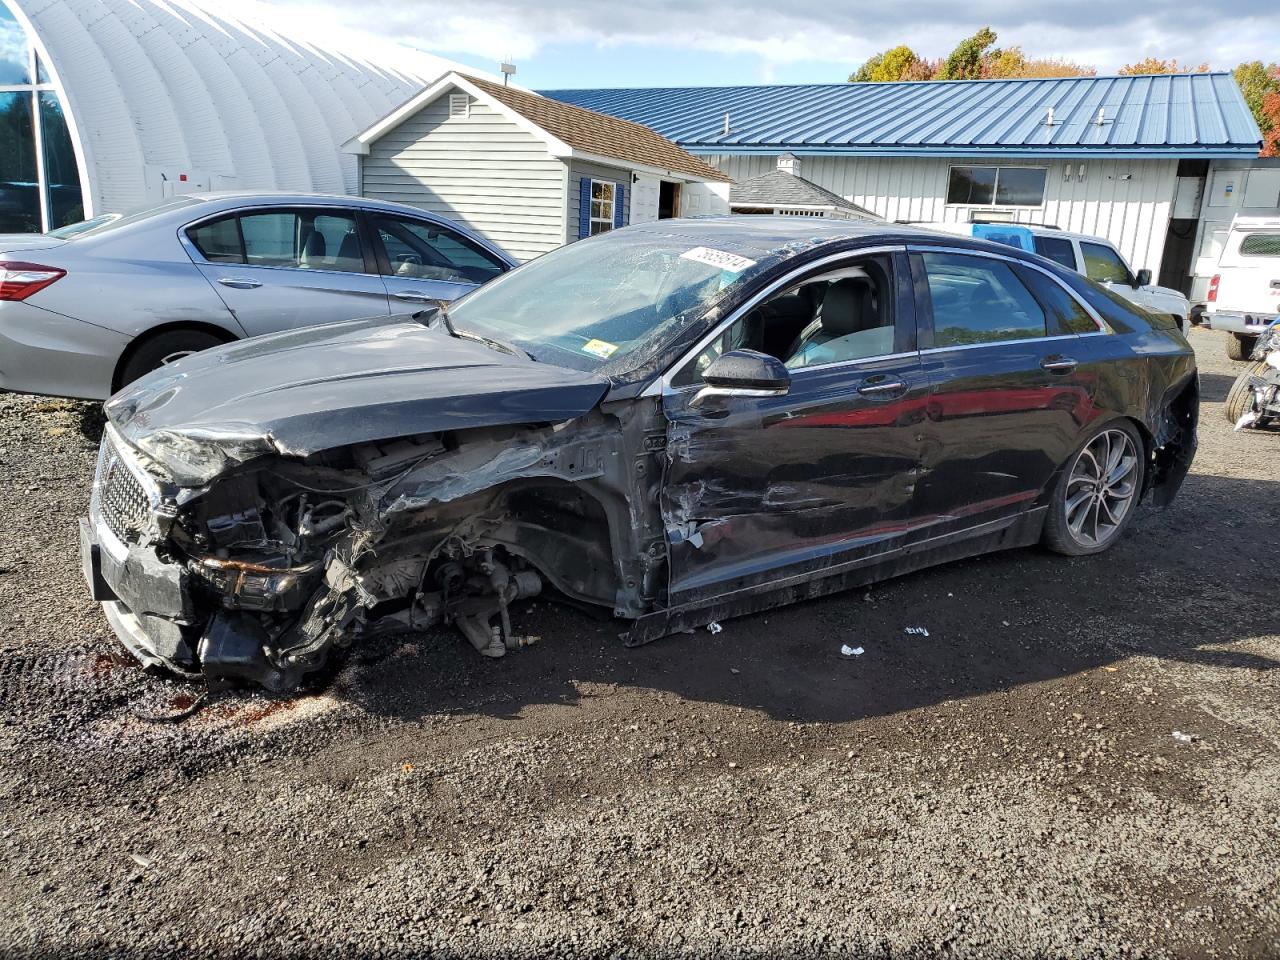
916	631
1182	737
849	651
714	627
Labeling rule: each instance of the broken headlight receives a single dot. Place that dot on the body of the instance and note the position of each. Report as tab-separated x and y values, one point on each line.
193	458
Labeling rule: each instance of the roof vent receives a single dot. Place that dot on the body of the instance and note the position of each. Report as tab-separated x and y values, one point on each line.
1049	121
726	123
459	105
1102	116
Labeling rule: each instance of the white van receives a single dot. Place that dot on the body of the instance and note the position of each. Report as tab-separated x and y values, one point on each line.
1244	295
1095	257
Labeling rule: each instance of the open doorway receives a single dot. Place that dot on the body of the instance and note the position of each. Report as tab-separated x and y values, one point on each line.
668	200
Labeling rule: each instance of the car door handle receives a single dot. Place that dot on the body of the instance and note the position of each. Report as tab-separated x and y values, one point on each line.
880	388
240	283
1058	364
412	297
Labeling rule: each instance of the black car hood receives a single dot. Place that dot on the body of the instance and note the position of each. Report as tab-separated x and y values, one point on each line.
329	386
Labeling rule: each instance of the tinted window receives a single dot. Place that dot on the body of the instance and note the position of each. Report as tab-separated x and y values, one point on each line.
427	251
977	300
1066	313
1058	250
218	241
972	185
1260	245
301	240
19	189
1103	264
1003	186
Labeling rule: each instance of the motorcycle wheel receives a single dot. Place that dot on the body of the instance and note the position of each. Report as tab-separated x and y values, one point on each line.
1240	397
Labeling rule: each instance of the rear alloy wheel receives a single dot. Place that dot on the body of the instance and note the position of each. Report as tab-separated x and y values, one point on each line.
1097	493
165	348
1239	347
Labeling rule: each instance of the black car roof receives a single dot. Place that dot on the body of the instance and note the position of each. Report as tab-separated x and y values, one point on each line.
772	233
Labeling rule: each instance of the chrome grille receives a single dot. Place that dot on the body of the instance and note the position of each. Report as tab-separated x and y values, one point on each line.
122	500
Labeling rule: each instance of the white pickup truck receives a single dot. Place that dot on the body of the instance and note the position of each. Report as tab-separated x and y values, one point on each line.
1244	295
1095	257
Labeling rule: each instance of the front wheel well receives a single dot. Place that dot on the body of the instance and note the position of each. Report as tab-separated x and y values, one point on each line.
140	341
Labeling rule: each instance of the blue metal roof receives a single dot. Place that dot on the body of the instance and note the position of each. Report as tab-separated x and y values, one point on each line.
1183	115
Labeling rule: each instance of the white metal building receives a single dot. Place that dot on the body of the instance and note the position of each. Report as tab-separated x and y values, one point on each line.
1132	159
109	104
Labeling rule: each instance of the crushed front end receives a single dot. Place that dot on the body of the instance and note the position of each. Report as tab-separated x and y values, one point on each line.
261	573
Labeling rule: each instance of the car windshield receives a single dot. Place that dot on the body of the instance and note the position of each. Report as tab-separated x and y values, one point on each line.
593	304
113	221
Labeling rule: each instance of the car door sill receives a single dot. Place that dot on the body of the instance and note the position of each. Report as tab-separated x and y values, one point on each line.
1020	530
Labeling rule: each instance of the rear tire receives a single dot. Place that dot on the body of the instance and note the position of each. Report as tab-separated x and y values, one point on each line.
163	348
1240	398
1097	491
1240	347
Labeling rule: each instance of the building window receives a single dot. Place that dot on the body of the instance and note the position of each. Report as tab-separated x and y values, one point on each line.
997	186
39	178
602	199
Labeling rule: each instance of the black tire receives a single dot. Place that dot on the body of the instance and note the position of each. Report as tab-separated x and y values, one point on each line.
1240	398
157	350
1240	347
1059	535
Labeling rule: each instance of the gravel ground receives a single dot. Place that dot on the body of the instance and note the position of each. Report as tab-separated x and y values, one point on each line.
1008	785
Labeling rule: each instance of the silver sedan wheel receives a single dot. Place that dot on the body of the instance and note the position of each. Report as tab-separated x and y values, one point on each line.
1102	488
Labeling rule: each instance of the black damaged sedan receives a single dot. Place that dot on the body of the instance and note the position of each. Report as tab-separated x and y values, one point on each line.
678	422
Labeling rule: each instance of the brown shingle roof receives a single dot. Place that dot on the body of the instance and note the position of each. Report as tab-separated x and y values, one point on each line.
597	133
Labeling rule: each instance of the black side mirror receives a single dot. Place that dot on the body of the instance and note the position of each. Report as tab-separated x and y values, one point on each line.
744	373
1142	279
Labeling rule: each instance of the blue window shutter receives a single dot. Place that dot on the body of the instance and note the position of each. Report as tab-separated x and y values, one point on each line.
584	207
619	194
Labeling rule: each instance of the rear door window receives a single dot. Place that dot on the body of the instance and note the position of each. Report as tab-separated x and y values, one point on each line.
292	239
1102	264
1066	313
1058	250
979	300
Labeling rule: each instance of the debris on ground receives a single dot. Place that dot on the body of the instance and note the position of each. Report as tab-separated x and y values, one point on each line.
849	651
714	627
916	631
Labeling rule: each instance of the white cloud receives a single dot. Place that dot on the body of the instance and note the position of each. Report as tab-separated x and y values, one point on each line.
1099	32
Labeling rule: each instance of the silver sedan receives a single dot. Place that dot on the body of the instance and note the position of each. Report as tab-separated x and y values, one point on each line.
90	308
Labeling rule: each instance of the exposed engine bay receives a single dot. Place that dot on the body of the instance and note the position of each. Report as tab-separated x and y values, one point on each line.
301	558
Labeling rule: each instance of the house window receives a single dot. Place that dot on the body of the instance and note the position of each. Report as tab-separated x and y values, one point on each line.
602	199
459	105
997	186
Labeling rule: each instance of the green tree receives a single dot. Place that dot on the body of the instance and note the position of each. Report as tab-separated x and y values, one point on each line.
1257	83
965	61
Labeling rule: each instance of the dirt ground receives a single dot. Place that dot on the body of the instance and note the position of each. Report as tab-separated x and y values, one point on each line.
1009	784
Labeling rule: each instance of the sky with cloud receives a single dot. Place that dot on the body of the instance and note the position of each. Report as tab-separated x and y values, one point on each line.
575	43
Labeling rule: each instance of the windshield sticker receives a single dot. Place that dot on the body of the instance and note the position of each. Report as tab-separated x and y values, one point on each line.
718	258
600	348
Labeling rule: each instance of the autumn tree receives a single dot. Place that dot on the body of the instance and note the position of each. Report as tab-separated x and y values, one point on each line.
1156	65
1270	125
1258	83
900	63
976	57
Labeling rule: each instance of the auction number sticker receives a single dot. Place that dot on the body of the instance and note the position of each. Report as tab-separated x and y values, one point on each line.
600	348
718	258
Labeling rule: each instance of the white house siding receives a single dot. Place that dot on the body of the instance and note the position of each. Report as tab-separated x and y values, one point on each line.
573	201
481	170
1126	201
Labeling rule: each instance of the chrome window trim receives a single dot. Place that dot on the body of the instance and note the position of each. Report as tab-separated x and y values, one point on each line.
1006	343
1103	326
197	257
663	386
